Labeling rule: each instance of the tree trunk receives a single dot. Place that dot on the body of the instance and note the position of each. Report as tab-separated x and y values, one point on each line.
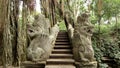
14	33
7	44
13	23
2	3
49	10
22	36
99	29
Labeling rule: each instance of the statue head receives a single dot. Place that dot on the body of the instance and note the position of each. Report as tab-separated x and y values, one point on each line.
83	17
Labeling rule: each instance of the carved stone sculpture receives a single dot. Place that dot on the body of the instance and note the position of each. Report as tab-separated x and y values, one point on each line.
41	43
82	46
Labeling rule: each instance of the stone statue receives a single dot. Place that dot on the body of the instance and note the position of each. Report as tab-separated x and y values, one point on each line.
82	45
41	43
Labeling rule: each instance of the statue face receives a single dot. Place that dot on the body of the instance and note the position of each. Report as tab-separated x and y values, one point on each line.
85	15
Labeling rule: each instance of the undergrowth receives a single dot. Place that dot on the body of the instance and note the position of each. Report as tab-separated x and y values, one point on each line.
106	42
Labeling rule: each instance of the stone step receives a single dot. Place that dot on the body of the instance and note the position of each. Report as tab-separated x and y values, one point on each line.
62	36
62	47
60	61
30	64
63	33
107	59
61	51
62	43
59	56
62	40
58	42
60	66
66	38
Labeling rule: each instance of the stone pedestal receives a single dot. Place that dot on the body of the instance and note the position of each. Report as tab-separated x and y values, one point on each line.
86	64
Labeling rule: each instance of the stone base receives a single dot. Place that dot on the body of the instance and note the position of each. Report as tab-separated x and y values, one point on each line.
30	64
86	64
60	66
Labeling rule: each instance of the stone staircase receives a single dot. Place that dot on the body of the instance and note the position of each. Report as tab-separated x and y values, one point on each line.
61	56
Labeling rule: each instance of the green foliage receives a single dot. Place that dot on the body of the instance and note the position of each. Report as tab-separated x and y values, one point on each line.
117	58
110	8
107	43
102	65
62	25
104	29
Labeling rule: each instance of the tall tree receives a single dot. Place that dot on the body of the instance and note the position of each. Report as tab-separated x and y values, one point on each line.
13	31
7	45
51	9
14	12
2	21
22	36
